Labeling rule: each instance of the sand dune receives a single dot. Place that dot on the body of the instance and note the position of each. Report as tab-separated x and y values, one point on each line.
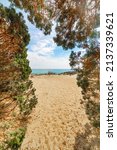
58	116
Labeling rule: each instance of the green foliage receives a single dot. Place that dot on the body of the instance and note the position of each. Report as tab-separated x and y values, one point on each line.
18	27
75	20
26	103
92	110
23	64
72	59
15	72
15	139
14	40
83	82
25	96
88	78
36	13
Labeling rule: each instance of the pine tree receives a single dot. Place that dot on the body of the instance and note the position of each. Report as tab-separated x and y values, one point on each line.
14	66
16	90
88	80
39	12
72	59
74	20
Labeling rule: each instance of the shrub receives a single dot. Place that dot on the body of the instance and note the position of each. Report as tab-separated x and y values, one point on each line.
15	139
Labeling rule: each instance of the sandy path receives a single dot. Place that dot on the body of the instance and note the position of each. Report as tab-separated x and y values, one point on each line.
58	116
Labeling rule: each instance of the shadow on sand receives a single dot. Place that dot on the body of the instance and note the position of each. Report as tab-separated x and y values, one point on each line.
87	140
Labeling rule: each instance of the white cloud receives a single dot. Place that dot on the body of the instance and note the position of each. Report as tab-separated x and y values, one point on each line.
43	47
41	51
47	62
41	44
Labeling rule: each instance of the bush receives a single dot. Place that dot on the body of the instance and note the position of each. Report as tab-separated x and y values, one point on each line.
15	139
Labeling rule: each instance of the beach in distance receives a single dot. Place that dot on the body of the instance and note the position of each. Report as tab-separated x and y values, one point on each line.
58	116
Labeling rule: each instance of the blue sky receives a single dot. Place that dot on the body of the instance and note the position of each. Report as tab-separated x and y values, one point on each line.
43	53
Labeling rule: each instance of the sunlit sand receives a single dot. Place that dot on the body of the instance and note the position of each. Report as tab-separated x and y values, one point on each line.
58	116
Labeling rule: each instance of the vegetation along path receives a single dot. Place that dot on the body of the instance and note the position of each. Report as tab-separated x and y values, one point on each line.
58	116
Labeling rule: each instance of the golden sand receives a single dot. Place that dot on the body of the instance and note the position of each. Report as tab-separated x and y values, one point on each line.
58	116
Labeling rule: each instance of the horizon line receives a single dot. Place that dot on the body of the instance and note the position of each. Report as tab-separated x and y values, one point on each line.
50	68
